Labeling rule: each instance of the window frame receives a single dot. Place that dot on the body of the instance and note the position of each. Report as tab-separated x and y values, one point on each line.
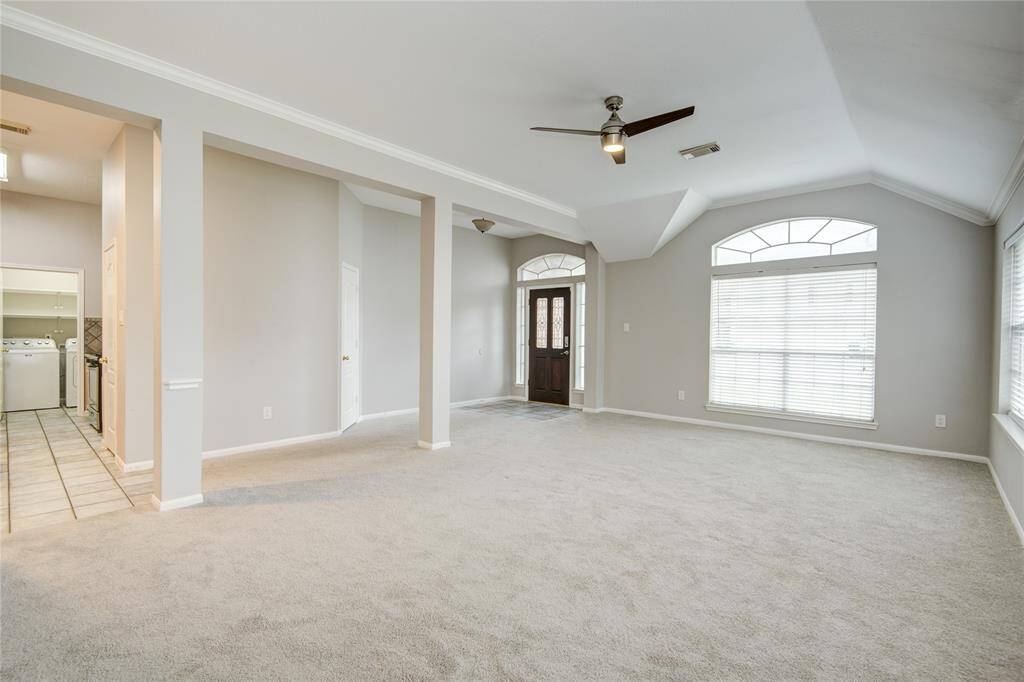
810	264
544	257
751	230
1010	322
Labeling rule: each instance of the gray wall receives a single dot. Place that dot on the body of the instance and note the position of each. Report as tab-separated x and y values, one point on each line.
1005	452
271	301
38	230
481	306
934	313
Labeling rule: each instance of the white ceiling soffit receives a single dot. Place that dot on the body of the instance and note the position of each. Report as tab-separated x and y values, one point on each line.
399	204
62	156
638	228
936	93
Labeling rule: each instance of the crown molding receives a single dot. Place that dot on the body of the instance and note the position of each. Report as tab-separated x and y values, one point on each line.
933	200
49	30
1013	180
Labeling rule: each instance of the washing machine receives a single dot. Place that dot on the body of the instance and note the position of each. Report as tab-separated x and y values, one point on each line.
31	374
72	372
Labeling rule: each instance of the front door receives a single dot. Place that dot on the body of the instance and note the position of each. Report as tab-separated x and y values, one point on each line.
549	345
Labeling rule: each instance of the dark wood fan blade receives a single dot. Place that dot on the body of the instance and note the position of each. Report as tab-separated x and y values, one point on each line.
645	124
571	131
620	157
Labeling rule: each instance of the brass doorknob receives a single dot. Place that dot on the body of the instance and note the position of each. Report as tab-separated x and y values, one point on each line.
345	357
103	360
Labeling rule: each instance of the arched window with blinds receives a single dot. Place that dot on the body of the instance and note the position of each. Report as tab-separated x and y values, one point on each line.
793	321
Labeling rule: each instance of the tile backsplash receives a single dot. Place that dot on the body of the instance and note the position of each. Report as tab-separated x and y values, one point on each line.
93	336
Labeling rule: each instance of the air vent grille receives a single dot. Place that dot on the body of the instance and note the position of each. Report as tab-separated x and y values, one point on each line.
700	150
19	128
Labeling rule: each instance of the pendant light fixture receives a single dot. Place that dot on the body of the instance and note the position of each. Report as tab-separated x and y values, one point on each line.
483	224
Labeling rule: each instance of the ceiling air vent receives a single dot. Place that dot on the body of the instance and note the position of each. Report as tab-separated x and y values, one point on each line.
19	128
700	150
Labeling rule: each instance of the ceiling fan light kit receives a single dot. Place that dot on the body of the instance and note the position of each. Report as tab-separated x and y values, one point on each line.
614	132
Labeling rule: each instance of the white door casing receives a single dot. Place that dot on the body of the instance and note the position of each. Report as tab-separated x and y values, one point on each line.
109	381
349	346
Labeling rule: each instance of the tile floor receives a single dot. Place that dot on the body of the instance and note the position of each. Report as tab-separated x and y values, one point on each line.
521	409
54	469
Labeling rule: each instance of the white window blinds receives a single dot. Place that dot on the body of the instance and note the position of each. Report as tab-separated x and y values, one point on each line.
1016	274
800	343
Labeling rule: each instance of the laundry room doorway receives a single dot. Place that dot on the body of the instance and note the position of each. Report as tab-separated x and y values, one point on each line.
43	312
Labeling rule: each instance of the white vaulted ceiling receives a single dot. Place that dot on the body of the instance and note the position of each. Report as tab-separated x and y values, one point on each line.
925	97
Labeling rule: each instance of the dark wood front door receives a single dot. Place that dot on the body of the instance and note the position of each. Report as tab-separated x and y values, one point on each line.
549	345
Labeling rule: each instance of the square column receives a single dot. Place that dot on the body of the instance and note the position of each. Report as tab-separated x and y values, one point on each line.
178	253
435	322
593	396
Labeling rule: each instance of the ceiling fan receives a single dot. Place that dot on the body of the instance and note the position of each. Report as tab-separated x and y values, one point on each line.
614	132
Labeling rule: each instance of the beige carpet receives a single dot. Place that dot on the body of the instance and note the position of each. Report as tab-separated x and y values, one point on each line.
569	547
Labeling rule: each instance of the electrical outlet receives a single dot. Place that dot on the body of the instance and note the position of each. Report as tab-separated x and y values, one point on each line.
268	412
682	395
940	421
625	326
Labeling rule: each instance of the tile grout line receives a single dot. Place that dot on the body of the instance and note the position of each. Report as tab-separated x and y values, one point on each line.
105	468
56	466
7	449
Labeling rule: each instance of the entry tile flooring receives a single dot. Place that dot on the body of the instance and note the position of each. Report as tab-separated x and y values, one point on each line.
55	469
521	409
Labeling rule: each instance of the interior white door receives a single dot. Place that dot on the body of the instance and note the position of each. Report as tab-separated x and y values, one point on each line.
349	346
109	360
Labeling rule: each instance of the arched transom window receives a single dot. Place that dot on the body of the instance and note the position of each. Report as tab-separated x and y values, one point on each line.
799	238
553	265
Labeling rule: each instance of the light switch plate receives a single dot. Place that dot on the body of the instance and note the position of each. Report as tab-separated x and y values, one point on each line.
940	421
268	412
682	395
625	326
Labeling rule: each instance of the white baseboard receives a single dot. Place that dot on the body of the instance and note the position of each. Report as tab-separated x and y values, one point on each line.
461	403
134	466
886	447
440	445
177	503
270	444
389	413
1006	503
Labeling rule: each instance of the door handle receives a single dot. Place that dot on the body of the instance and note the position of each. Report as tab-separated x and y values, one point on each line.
345	357
103	360
565	352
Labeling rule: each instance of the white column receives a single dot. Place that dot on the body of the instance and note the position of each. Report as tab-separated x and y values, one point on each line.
178	413
435	322
136	355
593	396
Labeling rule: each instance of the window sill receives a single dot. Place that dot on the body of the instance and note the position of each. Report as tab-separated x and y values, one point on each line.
751	412
1012	430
